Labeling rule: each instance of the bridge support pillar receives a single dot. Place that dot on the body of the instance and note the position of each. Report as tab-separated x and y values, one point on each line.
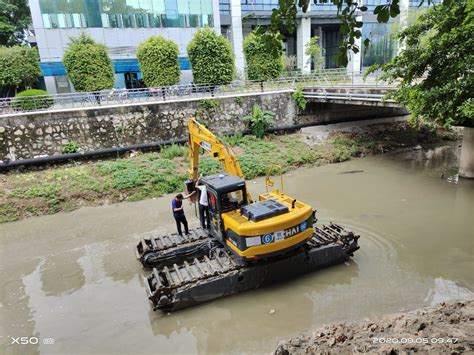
303	36
466	163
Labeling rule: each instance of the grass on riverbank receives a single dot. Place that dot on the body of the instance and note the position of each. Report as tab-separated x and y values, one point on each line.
149	175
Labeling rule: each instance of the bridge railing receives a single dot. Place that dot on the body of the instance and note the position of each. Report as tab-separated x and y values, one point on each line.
331	77
348	96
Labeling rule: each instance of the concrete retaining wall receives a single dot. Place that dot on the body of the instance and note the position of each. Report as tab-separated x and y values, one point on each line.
25	136
29	135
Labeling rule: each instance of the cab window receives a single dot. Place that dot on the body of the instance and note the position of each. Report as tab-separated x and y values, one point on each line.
232	200
212	202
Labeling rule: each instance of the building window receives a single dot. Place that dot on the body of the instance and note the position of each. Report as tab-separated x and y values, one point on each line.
383	46
330	43
224	7
126	13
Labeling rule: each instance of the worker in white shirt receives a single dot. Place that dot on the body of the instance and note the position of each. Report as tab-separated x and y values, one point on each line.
203	205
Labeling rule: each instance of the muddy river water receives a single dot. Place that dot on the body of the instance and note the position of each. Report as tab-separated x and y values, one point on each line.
72	278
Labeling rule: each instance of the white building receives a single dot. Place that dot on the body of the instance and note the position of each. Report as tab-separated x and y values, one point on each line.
119	24
122	24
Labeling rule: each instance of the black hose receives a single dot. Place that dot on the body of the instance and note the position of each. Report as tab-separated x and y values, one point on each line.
88	154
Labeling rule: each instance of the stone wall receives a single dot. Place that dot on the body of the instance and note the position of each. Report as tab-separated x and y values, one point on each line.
24	136
29	135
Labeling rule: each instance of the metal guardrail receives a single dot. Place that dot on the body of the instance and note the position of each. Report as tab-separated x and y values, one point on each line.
348	96
331	77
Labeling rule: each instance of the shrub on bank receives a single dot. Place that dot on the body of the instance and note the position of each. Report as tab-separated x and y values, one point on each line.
262	64
88	64
30	100
19	67
158	59
211	58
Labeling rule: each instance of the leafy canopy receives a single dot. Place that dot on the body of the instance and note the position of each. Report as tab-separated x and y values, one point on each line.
158	59
262	64
436	68
283	21
19	66
14	19
88	64
211	58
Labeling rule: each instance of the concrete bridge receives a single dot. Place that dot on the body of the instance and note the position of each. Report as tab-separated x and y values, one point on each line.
366	95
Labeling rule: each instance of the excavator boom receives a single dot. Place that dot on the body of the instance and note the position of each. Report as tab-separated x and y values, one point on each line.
201	137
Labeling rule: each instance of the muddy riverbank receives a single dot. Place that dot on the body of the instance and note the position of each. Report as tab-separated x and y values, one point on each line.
445	328
142	176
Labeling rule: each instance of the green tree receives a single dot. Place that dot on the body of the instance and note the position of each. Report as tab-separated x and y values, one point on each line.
14	19
158	59
262	64
88	65
315	53
283	20
435	71
211	58
19	67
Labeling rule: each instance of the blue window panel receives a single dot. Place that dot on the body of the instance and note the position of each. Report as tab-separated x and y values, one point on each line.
52	69
120	66
126	65
184	63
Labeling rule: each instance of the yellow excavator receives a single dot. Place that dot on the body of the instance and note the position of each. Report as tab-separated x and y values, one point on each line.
249	243
276	224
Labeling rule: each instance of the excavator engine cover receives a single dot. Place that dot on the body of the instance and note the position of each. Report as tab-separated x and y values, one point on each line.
263	210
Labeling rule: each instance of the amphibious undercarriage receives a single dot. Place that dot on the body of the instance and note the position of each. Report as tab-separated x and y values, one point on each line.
196	268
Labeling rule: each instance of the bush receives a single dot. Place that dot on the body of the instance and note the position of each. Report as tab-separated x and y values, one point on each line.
211	58
88	65
19	66
207	108
262	64
253	165
71	147
174	151
259	121
299	98
209	166
313	50
289	64
239	100
233	140
158	59
30	100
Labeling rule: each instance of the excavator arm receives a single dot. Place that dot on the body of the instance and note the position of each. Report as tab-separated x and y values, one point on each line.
201	137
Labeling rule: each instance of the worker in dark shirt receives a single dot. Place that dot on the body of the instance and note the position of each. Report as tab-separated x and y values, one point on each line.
178	214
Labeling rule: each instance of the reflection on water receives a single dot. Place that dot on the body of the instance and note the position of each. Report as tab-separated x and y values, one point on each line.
62	274
74	277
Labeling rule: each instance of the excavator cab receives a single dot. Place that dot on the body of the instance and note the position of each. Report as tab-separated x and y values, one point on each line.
273	225
225	193
255	230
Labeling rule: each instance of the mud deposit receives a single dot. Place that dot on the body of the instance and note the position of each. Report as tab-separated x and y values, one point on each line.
447	327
